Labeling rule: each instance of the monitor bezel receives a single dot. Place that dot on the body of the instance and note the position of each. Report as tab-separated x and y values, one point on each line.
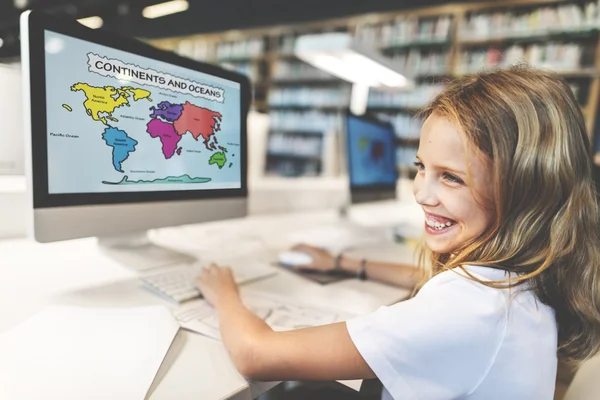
379	187
38	24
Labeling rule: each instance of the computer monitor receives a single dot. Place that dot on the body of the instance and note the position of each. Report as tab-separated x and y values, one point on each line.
12	157
123	137
371	156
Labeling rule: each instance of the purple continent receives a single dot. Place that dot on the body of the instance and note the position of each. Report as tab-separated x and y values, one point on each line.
170	112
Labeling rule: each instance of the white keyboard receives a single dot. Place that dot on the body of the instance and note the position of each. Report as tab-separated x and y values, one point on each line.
177	284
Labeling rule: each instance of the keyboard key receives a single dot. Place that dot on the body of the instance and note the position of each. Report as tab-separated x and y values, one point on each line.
178	284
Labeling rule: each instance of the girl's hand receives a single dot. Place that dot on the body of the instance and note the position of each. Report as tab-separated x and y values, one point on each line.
322	260
217	284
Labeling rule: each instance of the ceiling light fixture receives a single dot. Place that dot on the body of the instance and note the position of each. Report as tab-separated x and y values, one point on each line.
94	22
162	9
340	55
20	4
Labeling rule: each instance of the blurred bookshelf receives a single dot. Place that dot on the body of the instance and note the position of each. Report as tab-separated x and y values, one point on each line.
430	45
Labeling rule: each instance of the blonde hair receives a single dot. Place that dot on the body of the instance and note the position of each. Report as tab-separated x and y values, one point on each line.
545	229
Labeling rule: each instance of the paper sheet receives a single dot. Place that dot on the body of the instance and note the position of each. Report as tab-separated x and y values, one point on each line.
278	313
74	353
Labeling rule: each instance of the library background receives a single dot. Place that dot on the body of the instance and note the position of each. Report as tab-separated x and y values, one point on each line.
430	45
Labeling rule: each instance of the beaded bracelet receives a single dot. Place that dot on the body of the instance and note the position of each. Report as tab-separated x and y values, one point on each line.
362	272
337	266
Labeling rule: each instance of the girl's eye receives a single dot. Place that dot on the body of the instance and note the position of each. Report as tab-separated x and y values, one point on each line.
419	165
452	178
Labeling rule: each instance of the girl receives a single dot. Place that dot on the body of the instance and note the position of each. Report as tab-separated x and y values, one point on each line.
511	221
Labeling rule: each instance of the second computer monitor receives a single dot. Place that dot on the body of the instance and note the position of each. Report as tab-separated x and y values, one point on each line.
371	159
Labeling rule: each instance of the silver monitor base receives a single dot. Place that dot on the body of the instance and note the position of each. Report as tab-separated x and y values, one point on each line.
137	252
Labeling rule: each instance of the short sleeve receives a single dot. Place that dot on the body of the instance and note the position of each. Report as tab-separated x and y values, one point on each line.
439	344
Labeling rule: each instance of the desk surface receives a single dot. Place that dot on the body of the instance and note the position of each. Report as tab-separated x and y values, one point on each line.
77	272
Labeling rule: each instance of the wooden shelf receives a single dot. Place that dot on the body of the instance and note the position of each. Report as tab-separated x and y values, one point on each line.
307	107
581	73
309	81
286	56
423	43
407	169
393	109
435	74
298	132
260	104
576	73
406	141
260	84
293	156
241	59
534	37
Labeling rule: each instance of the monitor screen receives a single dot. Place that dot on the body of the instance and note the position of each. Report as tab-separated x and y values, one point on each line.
122	137
371	153
121	122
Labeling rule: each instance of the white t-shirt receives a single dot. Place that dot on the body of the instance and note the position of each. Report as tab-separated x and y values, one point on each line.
459	339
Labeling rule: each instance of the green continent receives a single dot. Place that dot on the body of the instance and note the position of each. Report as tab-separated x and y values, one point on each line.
363	143
218	158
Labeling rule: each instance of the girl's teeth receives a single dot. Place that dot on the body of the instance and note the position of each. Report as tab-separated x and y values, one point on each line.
438	225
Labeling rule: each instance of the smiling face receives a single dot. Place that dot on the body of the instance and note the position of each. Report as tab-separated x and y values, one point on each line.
454	203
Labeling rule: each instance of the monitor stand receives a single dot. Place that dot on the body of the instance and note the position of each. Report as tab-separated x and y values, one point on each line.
137	252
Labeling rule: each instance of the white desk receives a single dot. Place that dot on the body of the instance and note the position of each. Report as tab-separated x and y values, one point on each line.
76	272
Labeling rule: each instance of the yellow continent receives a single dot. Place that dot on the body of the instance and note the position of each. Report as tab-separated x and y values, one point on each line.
101	102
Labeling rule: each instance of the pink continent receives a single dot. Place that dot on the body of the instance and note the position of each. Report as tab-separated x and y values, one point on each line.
168	137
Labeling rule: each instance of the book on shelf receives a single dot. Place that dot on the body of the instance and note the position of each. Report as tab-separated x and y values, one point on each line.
248	48
418	63
309	96
405	126
303	121
405	31
296	70
246	68
293	167
413	99
282	143
563	18
555	56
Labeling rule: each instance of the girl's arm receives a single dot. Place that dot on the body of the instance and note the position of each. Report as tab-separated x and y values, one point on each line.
258	352
403	275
